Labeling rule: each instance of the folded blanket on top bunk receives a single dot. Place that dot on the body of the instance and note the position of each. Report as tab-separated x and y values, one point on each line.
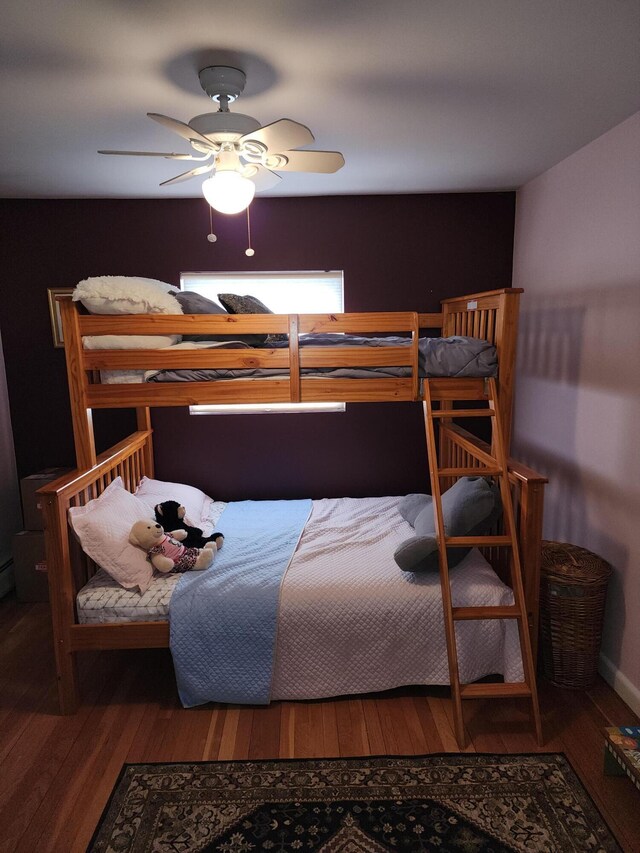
453	356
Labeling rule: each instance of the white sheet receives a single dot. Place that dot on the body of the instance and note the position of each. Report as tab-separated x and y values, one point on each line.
350	620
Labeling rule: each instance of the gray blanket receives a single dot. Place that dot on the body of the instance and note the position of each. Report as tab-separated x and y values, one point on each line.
454	356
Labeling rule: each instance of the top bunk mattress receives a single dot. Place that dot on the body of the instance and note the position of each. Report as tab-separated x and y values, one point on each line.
454	356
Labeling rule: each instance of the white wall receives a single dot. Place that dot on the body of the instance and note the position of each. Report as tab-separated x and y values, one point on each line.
577	416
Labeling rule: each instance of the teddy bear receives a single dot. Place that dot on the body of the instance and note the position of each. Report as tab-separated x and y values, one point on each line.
171	514
166	551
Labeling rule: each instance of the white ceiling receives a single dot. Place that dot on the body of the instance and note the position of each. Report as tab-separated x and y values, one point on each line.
419	95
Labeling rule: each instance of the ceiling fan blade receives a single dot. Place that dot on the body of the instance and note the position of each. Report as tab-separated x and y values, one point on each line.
280	135
184	130
310	161
263	178
186	175
167	156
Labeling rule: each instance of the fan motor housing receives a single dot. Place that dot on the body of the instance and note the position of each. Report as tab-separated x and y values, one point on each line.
223	126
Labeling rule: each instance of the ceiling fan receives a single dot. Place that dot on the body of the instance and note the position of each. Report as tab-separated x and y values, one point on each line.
243	155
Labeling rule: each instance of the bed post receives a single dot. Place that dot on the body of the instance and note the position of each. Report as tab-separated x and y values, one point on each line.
506	332
61	594
530	508
81	414
143	420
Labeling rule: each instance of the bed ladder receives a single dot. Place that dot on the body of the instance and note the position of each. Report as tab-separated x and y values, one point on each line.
494	465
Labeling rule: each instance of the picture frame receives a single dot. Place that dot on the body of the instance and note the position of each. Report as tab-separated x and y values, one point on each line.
54	312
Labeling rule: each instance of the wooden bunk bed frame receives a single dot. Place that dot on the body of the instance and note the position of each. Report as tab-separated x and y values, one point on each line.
491	315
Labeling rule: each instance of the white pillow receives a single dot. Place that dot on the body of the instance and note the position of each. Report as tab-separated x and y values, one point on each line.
117	294
102	527
196	503
129	341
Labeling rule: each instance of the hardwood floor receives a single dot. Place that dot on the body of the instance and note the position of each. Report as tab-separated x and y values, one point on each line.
57	772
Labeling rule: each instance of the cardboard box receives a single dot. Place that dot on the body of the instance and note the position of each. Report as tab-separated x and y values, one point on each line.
31	507
30	566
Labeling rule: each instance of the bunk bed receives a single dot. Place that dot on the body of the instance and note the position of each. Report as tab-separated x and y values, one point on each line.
490	316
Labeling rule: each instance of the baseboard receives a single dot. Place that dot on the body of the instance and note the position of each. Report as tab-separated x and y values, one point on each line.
627	691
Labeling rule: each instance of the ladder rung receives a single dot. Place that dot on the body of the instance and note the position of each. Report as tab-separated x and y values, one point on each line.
463	413
495	691
469	472
510	611
476	541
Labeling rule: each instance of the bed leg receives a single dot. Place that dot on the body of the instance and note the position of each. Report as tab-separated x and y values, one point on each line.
67	676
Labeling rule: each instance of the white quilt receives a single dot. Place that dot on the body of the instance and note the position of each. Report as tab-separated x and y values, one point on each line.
350	620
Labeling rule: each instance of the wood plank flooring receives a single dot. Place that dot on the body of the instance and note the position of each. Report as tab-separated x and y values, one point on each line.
57	772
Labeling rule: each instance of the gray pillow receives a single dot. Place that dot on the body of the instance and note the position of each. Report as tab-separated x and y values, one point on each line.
195	303
412	505
469	508
248	305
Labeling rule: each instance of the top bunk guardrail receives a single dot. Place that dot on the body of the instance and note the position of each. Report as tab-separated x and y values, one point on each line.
491	315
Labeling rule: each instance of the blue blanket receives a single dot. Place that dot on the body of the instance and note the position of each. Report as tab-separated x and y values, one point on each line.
224	619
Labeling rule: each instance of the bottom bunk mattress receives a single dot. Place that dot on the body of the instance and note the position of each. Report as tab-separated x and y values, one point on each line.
350	621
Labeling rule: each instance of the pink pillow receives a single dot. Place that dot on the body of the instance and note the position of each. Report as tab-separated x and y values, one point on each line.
102	527
196	503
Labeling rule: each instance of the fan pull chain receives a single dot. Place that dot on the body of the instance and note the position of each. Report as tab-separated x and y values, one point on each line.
211	237
249	252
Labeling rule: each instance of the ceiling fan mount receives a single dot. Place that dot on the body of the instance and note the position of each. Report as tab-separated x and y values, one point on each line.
221	82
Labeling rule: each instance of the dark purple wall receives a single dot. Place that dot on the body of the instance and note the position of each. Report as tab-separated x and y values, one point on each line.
398	253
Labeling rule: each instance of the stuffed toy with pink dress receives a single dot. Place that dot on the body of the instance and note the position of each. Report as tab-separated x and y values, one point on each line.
166	551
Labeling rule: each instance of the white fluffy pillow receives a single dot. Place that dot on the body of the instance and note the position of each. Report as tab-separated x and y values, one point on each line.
102	527
196	503
118	294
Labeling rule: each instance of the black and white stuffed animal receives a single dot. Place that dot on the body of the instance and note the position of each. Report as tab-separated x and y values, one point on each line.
170	514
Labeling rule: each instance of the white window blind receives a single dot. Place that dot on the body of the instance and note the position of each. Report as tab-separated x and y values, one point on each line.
284	293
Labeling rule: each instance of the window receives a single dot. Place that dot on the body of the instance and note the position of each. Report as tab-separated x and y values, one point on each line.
283	293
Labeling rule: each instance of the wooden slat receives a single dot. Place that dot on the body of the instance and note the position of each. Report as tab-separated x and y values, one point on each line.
509	611
189	393
356	390
176	359
463	413
469	472
123	635
373	321
495	691
458	389
430	321
485	293
184	324
477	541
294	360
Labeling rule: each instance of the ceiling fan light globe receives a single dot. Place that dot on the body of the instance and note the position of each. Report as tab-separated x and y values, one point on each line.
228	192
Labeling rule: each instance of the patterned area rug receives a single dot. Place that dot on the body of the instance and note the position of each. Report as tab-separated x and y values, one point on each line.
464	803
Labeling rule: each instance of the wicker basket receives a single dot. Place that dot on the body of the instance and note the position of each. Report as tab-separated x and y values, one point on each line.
572	597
